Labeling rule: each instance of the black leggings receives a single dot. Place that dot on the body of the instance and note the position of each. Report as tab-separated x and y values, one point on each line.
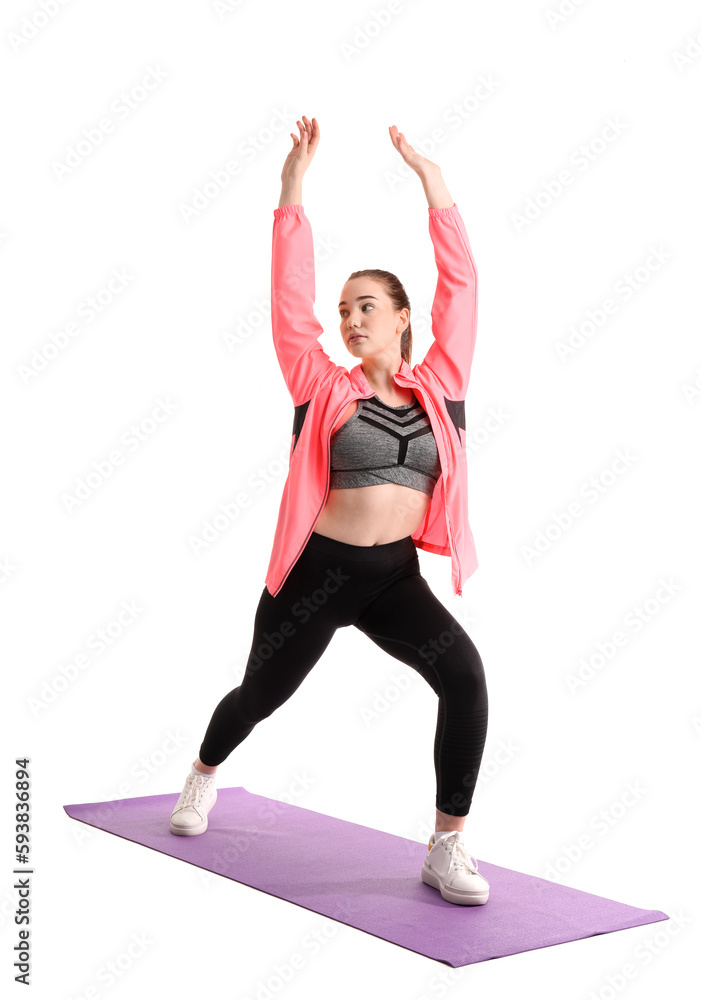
380	590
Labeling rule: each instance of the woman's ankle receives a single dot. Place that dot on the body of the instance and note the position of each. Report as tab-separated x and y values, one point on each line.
204	768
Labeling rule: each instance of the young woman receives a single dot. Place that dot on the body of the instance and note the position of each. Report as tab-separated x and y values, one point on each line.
377	469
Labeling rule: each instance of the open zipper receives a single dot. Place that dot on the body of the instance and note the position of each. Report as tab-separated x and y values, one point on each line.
445	502
326	491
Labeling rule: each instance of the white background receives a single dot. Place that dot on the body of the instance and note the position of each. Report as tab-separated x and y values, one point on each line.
191	326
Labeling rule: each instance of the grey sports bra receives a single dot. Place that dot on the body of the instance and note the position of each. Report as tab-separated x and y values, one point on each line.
385	444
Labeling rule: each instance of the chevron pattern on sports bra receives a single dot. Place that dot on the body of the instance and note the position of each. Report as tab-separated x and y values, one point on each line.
385	444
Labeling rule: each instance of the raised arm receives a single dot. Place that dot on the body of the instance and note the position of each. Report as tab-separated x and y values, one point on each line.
303	361
454	309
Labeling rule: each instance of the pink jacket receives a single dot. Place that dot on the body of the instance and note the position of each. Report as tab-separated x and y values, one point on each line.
321	390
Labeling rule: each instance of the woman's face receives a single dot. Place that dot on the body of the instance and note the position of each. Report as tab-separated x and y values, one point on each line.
366	310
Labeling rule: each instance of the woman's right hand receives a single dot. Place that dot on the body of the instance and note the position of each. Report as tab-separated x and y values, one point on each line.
302	152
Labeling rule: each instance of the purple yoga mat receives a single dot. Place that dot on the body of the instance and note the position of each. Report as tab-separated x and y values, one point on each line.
365	878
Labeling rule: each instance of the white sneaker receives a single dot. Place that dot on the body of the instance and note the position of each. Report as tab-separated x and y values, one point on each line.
449	868
189	817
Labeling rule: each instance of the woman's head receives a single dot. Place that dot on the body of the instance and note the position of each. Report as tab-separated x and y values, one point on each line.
375	305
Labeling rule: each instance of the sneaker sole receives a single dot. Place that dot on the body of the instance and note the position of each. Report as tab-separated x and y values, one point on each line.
468	897
192	831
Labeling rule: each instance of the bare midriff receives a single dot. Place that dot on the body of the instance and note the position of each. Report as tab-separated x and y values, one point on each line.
373	515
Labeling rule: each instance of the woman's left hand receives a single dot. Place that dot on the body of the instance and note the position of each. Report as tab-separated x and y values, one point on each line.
412	159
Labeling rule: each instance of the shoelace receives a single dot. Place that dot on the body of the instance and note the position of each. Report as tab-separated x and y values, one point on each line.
462	861
193	790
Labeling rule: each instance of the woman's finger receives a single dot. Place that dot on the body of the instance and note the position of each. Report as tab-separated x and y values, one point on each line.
313	134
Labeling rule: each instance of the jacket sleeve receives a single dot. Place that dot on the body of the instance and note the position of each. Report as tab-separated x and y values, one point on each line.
303	361
454	309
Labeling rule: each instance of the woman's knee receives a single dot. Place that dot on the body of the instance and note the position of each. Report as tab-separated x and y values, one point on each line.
460	669
261	694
